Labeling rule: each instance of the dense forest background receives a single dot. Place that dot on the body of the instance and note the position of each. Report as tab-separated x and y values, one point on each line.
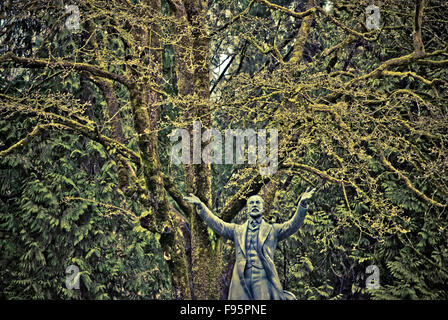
86	112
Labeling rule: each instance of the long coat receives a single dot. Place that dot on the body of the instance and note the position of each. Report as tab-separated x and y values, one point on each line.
268	237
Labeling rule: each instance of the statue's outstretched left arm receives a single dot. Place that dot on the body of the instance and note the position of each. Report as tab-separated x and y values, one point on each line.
288	228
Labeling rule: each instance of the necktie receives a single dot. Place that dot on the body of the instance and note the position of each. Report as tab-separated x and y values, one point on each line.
254	224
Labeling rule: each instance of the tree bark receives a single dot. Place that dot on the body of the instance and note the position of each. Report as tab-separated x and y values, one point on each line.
146	111
192	62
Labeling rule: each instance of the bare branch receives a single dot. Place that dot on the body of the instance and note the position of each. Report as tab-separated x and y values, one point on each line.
177	195
37	129
88	131
315	171
77	66
407	181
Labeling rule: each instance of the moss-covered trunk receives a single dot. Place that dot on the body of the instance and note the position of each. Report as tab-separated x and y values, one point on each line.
146	112
192	65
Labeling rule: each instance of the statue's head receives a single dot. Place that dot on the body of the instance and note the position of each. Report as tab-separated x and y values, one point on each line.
255	206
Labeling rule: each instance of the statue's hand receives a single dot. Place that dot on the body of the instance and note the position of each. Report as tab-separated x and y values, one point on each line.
307	194
193	199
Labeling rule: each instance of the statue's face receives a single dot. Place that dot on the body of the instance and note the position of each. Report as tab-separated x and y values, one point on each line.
255	206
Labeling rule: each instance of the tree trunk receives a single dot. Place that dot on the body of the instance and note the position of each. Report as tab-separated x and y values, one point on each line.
192	62
146	111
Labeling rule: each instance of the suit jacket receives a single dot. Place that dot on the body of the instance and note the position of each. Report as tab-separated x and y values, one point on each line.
268	237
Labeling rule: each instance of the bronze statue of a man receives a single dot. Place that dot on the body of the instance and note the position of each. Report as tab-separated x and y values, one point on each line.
254	274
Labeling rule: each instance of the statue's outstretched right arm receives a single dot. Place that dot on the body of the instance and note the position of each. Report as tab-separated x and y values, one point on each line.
221	227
